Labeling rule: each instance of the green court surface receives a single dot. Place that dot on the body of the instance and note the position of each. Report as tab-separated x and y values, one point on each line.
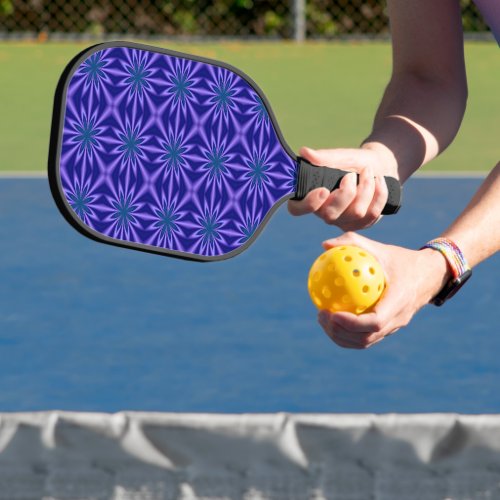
323	94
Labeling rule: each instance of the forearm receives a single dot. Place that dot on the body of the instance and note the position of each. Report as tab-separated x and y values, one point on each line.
424	102
416	120
477	230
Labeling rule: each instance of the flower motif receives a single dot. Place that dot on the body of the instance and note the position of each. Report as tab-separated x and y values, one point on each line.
173	153
180	86
93	69
246	229
223	94
130	143
122	213
138	77
81	196
86	135
259	110
215	162
258	171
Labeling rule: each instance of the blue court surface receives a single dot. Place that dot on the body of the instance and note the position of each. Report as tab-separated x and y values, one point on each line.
91	327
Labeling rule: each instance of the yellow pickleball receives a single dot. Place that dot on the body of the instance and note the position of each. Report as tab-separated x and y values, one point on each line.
346	278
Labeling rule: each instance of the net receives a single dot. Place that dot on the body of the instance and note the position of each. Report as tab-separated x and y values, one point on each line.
153	456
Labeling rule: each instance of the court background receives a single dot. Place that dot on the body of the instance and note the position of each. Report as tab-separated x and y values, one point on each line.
87	327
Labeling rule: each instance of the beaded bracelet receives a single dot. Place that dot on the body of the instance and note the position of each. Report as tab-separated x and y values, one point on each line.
452	254
460	269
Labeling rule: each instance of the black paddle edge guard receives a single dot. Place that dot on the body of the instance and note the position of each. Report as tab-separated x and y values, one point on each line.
311	177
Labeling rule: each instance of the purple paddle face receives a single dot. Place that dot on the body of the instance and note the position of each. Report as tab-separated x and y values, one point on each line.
162	152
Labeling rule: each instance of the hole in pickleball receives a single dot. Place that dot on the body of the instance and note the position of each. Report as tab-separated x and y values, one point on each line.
366	289
356	273
331	268
339	281
327	293
372	270
346	299
348	258
379	287
360	309
317	276
363	254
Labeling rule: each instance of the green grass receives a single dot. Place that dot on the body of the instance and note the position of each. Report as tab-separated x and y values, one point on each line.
323	94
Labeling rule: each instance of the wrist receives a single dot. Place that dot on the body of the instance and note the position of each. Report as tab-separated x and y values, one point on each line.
437	272
386	156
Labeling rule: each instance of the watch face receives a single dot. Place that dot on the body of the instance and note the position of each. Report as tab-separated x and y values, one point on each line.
451	288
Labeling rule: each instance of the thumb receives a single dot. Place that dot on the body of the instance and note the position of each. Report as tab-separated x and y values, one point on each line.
349	158
376	248
349	238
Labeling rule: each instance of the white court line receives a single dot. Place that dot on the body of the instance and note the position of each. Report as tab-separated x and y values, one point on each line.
23	175
454	174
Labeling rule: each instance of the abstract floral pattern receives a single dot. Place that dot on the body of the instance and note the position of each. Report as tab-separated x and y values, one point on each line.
169	152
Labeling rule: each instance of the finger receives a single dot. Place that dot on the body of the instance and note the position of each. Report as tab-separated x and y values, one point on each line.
372	343
339	334
346	338
341	340
348	238
366	209
365	191
352	340
362	340
345	344
384	318
338	201
375	339
359	224
362	324
378	250
311	203
393	332
380	196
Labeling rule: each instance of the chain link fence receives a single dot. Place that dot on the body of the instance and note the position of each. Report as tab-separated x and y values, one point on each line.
206	18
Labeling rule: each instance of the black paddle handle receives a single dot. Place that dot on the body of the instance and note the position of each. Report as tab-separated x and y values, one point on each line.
310	177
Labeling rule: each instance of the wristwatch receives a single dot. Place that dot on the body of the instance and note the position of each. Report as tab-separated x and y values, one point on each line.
460	270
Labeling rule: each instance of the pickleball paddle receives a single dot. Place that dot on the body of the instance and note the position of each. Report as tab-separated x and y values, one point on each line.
171	153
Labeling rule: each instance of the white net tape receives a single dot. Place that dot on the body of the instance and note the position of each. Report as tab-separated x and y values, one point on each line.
160	456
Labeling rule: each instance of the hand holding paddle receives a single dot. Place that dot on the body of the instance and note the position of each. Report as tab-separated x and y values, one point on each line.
360	200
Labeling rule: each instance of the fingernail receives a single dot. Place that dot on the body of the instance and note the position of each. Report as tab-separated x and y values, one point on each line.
347	178
324	194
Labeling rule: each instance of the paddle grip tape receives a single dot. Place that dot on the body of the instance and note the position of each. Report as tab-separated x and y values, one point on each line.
311	177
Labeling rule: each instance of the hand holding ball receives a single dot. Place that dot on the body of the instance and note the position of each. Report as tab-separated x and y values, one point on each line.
346	278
